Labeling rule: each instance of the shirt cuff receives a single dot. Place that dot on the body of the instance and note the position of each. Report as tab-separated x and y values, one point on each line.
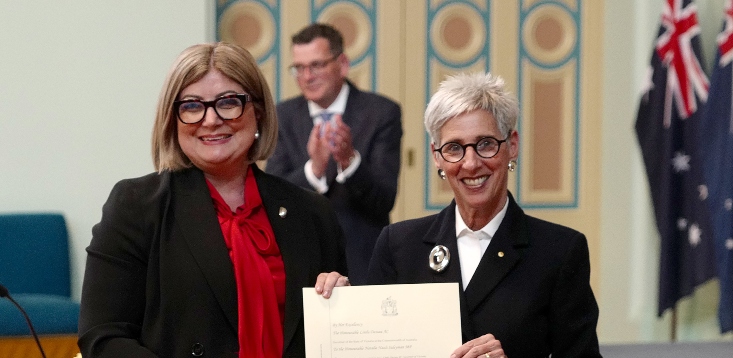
344	174
320	185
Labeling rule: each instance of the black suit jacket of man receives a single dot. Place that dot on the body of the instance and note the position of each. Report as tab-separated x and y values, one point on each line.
364	201
531	289
159	280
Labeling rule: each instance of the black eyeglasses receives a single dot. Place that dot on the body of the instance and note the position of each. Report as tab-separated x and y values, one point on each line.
486	147
315	67
191	111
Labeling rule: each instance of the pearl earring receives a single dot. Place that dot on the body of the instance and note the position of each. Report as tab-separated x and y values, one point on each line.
257	134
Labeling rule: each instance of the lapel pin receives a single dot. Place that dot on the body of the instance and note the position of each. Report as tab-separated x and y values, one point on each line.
439	258
282	212
501	254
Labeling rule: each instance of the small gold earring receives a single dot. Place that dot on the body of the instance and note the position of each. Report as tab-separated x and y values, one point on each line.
512	165
441	174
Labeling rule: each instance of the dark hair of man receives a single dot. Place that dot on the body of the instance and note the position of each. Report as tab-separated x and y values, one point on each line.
316	30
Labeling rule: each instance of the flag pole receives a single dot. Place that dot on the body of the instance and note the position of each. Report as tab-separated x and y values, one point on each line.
673	325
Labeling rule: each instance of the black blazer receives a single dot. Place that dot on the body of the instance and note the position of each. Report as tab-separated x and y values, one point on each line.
364	201
535	297
159	280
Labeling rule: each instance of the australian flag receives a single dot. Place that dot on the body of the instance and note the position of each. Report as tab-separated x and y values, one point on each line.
667	127
716	145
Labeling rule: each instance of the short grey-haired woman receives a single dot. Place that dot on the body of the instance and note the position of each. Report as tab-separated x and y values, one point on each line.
524	282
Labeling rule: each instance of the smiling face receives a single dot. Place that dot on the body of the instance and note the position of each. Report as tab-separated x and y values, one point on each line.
321	86
479	184
214	145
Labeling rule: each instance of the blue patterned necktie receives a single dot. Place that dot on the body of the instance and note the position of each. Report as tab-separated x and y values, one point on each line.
326	116
326	120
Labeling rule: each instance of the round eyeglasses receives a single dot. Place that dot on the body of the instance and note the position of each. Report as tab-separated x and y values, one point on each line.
192	111
486	147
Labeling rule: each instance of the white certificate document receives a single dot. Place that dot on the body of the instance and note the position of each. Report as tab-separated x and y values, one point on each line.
384	321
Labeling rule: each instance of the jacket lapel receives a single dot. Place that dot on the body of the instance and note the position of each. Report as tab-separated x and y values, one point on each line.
197	222
352	112
295	252
503	253
195	218
443	232
302	123
357	115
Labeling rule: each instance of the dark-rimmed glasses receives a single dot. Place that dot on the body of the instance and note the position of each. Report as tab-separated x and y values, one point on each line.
191	111
486	147
315	67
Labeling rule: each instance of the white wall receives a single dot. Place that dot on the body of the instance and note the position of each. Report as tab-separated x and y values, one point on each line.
79	80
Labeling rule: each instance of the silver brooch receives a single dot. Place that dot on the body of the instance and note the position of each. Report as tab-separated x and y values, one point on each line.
439	258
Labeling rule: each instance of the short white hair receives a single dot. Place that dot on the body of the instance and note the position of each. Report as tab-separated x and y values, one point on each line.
466	92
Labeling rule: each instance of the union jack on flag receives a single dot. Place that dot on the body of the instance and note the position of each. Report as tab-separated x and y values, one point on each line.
667	127
674	46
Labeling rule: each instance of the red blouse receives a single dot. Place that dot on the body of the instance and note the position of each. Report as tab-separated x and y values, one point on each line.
258	270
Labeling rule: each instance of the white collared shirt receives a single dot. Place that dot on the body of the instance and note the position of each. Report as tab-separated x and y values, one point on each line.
473	244
337	107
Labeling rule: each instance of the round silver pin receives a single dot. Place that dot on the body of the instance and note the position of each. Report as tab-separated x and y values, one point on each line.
439	258
282	212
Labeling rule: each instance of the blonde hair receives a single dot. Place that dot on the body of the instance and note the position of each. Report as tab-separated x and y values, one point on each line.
191	65
463	93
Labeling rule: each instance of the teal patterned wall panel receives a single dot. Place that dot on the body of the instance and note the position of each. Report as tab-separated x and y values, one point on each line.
254	25
549	58
357	21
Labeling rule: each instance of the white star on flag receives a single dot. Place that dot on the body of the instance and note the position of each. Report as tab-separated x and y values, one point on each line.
681	224
694	235
729	244
681	162
703	190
